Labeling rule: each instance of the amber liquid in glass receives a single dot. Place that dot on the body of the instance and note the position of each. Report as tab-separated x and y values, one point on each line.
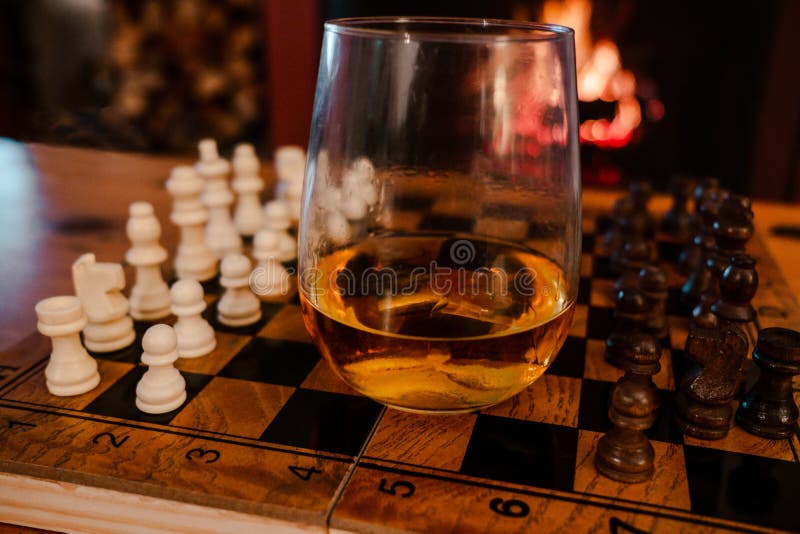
411	322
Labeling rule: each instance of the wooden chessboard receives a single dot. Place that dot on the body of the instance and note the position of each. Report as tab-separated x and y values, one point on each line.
268	429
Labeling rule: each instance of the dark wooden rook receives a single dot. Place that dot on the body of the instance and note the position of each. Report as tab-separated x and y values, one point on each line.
768	409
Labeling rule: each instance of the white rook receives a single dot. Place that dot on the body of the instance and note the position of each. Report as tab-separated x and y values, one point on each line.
70	371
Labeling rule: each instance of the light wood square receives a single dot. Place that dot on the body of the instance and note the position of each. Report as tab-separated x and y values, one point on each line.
287	324
323	378
34	389
508	229
587	261
578	326
228	345
741	441
602	293
233	406
551	399
428	440
597	368
668	487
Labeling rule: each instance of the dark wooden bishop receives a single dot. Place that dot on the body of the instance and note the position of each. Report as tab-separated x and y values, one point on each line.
768	409
624	453
703	401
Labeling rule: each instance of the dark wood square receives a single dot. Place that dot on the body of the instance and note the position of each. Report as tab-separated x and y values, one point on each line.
522	452
274	361
324	421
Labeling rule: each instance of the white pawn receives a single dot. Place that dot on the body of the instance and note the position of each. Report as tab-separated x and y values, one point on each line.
266	245
162	387
269	280
238	305
195	336
290	165
149	298
193	260
277	219
221	235
70	371
99	286
337	228
248	184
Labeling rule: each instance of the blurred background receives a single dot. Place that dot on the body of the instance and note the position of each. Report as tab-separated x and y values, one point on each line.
666	87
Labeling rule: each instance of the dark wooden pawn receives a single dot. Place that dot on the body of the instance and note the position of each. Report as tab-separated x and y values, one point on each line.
677	221
703	402
652	282
630	310
768	409
634	256
691	255
624	453
621	211
701	278
731	229
737	287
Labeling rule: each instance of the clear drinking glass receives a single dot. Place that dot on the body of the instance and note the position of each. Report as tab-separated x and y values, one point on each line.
440	234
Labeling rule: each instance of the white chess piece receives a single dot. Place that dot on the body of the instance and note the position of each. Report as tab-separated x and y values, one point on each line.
290	166
238	306
70	371
247	183
277	219
266	245
269	280
221	235
195	336
193	260
162	387
337	228
149	299
99	287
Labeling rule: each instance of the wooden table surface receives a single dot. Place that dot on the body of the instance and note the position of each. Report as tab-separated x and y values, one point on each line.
57	203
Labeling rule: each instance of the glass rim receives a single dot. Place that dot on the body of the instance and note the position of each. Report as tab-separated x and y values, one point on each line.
536	31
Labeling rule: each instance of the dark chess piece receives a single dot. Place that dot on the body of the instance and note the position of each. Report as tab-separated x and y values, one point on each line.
624	453
737	287
702	316
701	279
677	221
630	308
630	218
629	261
732	229
703	401
652	282
622	208
768	409
692	254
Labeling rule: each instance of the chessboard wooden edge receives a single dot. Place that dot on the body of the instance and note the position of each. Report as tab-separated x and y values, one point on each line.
66	506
